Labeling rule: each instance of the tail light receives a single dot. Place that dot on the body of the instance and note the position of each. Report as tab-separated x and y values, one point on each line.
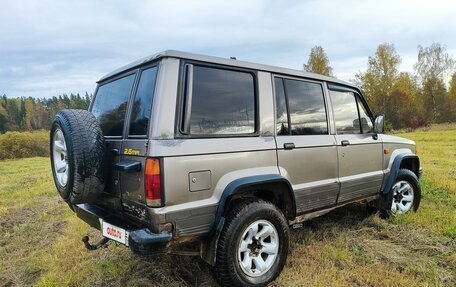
152	182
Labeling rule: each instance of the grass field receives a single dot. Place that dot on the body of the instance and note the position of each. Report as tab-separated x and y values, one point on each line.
40	238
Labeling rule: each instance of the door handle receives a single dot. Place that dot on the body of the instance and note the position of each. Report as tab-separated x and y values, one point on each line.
288	145
345	143
128	166
115	151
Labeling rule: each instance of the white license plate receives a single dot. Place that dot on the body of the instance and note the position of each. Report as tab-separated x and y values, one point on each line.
113	232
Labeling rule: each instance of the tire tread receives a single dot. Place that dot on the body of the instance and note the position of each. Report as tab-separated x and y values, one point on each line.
224	272
87	160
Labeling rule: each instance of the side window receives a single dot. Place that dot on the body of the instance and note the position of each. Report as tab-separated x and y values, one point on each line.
281	108
306	108
222	102
345	112
366	122
142	104
110	105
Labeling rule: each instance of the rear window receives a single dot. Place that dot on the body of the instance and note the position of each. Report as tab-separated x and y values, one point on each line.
302	104
222	102
110	105
306	107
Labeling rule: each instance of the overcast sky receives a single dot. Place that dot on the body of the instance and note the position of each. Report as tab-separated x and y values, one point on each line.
52	47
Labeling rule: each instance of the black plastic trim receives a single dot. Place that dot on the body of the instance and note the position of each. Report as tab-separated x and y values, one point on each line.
128	166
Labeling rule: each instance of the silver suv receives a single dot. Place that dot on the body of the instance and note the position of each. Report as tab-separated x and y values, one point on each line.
217	157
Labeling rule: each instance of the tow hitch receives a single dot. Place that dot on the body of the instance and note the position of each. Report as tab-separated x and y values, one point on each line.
99	244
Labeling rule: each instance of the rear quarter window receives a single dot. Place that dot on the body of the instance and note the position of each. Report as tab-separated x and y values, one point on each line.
222	102
142	104
110	105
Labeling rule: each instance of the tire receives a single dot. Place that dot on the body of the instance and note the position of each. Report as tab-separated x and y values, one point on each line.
240	224
407	181
77	150
384	205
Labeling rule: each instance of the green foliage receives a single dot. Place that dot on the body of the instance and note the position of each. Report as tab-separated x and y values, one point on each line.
27	114
24	144
388	126
449	111
318	62
406	104
405	100
378	81
433	93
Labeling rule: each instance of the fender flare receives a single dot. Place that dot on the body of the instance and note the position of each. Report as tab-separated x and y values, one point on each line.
395	166
209	249
244	182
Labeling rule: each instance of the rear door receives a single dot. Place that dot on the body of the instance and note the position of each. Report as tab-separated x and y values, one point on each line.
134	146
110	107
306	150
360	151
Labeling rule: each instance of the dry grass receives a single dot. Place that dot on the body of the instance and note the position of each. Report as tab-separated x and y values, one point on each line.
40	238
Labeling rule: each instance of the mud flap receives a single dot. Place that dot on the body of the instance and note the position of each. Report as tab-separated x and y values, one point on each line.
209	246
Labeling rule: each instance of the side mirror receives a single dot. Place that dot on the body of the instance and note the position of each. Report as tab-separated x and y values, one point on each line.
379	125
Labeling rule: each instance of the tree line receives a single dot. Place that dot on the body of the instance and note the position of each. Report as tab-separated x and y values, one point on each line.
408	100
27	114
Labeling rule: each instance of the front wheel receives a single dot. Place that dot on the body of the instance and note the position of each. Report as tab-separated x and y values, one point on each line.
253	245
403	197
406	192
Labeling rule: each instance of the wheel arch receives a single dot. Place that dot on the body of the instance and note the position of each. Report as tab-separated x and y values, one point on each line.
411	163
407	160
269	187
273	188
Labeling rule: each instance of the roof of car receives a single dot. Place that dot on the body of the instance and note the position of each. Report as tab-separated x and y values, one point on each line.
223	61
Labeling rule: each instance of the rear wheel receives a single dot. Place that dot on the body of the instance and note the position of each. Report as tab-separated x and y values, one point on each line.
253	245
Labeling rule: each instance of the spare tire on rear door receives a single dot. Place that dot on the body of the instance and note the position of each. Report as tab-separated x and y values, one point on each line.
77	156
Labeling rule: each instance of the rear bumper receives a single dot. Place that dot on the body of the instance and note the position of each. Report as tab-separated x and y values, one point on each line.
140	239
